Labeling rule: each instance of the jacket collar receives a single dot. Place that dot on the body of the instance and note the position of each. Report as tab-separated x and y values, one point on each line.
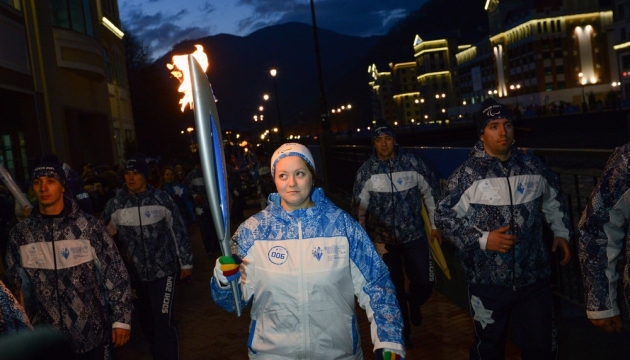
318	197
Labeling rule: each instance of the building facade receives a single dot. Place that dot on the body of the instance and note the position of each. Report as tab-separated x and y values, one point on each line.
539	53
63	83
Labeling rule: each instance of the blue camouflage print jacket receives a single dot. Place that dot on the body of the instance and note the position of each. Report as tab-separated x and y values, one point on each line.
71	275
12	316
152	236
388	195
485	194
303	270
603	234
197	187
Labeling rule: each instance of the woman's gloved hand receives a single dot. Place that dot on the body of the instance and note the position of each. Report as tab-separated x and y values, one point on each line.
226	268
389	354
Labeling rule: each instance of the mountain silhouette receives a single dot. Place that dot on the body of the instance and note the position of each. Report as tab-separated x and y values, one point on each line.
239	72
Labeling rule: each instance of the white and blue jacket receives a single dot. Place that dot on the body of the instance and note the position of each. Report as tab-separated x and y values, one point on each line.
485	194
71	276
603	234
387	198
303	270
152	236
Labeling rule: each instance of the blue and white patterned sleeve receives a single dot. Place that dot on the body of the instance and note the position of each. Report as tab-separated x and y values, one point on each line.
374	289
429	188
450	217
603	231
12	316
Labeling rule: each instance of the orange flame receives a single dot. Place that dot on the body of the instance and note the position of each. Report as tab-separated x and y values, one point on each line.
179	69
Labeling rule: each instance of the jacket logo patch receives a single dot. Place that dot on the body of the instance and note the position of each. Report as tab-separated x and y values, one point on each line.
65	253
531	186
520	188
278	255
377	183
335	252
317	253
489	193
79	252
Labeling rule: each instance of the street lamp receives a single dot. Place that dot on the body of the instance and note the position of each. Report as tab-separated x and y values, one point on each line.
515	88
338	113
582	82
273	73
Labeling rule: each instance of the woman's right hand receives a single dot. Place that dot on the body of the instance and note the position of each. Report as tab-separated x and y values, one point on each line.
226	268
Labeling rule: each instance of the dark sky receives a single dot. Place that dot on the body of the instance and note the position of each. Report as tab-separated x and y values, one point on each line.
160	24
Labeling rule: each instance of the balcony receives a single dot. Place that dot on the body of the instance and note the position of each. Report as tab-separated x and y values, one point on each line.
79	53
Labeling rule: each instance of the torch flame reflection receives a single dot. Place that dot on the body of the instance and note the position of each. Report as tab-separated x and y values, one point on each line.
179	69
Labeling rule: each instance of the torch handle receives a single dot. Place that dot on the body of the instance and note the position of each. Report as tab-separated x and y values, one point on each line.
13	188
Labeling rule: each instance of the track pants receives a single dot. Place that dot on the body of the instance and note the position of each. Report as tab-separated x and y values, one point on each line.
154	304
414	260
529	307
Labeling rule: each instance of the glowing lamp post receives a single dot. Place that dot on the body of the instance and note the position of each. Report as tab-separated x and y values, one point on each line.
516	88
273	73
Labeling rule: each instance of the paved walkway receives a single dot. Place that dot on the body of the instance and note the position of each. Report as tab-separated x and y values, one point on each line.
208	332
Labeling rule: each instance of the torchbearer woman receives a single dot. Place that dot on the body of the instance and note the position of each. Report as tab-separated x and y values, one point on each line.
303	262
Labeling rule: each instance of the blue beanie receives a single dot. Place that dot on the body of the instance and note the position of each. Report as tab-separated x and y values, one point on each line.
382	128
51	170
138	164
491	110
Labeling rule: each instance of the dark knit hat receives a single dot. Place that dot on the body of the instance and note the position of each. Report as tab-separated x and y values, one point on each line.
382	128
50	167
491	110
138	164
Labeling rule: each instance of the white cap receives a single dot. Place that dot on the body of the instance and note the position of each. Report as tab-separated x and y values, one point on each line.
291	149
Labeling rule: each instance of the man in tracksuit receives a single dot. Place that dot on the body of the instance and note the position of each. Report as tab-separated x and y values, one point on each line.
387	201
603	235
154	244
64	267
492	212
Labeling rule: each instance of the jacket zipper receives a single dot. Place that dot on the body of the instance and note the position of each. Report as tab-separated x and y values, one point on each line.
512	228
391	184
56	274
304	295
144	250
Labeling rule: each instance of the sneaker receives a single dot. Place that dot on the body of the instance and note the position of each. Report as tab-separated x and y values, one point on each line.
415	315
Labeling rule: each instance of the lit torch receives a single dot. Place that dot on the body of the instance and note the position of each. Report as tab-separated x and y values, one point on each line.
190	70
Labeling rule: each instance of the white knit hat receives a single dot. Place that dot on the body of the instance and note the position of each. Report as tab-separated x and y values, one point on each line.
291	149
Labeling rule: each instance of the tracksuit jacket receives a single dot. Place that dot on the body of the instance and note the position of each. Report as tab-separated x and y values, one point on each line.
12	317
196	186
604	233
485	194
71	275
303	269
152	236
388	195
